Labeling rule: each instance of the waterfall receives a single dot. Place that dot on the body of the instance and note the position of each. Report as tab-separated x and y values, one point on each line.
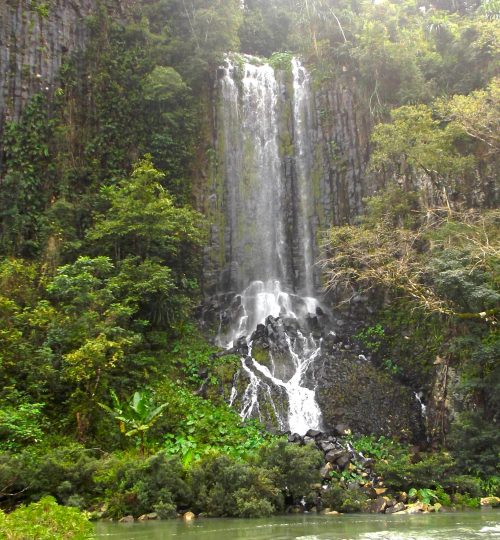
303	163
253	172
262	214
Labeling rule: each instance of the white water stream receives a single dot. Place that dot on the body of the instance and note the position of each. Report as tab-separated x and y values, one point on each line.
259	301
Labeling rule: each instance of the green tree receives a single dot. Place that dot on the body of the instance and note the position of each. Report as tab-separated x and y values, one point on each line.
296	468
202	33
151	238
141	220
444	261
478	114
416	143
266	27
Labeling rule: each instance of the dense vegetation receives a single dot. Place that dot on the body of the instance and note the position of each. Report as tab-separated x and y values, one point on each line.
109	396
438	274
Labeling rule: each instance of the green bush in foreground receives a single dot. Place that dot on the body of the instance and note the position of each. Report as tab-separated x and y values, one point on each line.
45	520
224	487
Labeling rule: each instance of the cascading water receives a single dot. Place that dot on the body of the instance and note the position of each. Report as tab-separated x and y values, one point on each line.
265	303
303	164
262	261
253	172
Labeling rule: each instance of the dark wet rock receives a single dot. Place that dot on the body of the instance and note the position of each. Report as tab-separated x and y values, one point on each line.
365	462
292	326
342	429
398	507
332	339
344	460
352	393
356	394
369	491
314	433
295	438
378	506
334	455
326	446
241	346
260	332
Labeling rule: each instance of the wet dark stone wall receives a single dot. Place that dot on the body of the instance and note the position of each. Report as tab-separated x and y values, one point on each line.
33	44
35	39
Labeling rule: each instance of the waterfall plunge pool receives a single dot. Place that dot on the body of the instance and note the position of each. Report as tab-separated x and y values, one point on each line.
443	526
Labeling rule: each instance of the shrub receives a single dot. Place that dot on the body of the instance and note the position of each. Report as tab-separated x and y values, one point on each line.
249	504
463	483
464	500
197	427
399	471
225	487
20	425
344	500
443	497
165	510
373	447
45	520
13	476
476	443
490	486
296	467
65	473
354	501
141	486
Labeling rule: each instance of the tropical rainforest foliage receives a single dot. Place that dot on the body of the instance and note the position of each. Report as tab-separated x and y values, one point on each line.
101	364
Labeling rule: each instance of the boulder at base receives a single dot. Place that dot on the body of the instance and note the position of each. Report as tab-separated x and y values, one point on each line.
368	400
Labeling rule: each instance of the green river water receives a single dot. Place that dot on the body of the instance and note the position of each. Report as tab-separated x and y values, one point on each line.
442	526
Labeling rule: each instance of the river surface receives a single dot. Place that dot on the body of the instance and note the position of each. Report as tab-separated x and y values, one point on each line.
443	526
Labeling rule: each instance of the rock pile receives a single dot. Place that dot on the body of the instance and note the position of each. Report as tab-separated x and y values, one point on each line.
339	454
355	473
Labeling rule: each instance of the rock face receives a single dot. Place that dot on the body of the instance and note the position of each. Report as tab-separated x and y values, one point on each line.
35	38
367	400
33	43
